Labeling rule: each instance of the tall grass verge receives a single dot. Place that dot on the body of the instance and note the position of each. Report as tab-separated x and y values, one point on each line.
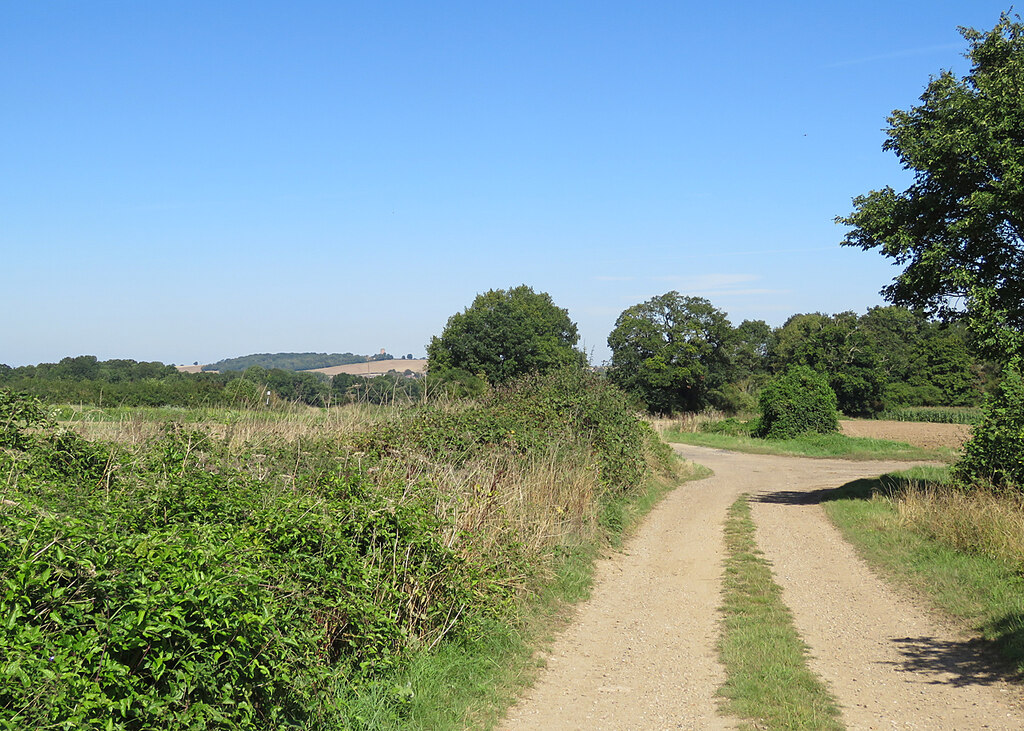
765	660
982	521
961	550
470	682
684	422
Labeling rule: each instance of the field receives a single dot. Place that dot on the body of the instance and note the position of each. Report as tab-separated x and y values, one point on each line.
375	368
371	368
919	434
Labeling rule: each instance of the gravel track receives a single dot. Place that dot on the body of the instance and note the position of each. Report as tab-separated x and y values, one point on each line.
641	652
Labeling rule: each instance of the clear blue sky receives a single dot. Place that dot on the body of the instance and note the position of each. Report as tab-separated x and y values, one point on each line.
188	181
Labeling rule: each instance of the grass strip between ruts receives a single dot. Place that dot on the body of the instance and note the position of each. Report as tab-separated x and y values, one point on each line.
767	678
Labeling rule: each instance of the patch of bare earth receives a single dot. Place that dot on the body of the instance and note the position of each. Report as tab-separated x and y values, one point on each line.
641	653
375	367
911	432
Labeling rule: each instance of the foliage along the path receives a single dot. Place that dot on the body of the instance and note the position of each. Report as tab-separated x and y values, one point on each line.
196	584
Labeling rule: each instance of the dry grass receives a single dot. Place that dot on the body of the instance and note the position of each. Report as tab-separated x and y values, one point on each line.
979	521
533	504
238	427
486	505
685	423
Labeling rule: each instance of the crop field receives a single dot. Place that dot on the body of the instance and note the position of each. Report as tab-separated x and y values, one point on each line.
376	367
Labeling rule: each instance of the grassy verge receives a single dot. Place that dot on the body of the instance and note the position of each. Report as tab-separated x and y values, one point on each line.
817	445
955	549
768	680
471	683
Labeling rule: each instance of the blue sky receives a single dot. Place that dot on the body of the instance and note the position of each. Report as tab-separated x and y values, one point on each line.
191	181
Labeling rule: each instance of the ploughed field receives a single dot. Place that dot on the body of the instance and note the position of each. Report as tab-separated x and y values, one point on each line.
920	434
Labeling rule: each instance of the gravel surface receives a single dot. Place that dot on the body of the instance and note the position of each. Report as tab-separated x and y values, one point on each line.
641	652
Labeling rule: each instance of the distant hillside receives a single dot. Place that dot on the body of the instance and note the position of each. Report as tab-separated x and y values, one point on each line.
288	361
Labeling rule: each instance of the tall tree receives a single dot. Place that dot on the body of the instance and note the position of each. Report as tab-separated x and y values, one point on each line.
672	351
750	351
838	347
925	362
959	228
505	334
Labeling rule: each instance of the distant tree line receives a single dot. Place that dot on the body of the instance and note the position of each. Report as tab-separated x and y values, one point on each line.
673	353
86	380
676	353
680	353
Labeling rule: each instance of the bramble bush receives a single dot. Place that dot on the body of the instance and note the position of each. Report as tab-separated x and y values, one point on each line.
19	413
574	402
800	401
197	583
173	590
526	417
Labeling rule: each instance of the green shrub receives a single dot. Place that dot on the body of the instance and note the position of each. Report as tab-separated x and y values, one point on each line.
18	413
571	401
994	455
799	401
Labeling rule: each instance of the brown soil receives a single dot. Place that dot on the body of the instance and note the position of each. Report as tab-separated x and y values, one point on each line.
376	367
641	653
919	434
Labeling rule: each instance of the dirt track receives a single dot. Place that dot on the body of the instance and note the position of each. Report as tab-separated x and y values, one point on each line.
641	653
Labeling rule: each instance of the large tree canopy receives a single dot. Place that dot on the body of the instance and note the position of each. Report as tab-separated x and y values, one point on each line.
959	228
505	334
673	351
837	346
